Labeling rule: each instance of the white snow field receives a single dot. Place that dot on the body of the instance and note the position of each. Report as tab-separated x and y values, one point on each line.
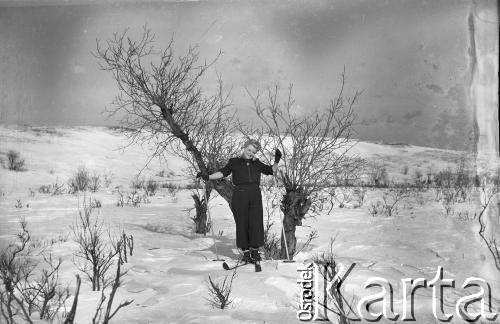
169	269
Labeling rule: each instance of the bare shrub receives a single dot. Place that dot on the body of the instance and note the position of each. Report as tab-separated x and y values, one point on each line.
489	192
377	172
52	189
359	196
107	178
94	182
95	254
348	177
457	183
45	189
342	307
346	196
138	182
58	188
30	287
151	187
16	265
14	161
448	199
132	198
168	185
127	246
272	245
391	200
173	189
307	243
121	198
192	186
324	201
79	181
343	196
135	198
376	209
102	315
444	178
463	174
172	192
418	175
219	293
404	169
45	294
466	216
95	203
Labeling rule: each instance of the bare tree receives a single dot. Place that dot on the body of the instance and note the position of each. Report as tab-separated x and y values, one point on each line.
217	140
161	102
314	145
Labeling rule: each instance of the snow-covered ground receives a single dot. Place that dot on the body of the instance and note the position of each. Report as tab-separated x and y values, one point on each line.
169	269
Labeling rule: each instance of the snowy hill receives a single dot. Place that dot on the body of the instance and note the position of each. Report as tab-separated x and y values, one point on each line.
169	269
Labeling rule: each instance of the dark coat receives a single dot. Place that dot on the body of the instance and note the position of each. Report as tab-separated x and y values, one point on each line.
245	171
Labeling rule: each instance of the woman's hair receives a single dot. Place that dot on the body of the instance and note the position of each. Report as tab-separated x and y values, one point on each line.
253	142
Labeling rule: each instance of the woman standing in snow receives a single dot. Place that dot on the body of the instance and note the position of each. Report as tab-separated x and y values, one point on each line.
247	199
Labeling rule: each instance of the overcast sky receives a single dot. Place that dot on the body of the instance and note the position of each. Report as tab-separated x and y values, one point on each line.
409	56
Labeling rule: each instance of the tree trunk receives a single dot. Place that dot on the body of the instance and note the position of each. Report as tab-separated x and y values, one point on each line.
95	279
225	189
71	315
294	206
291	241
223	186
200	220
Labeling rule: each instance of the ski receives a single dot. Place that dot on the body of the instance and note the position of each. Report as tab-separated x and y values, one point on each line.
246	259
237	265
226	266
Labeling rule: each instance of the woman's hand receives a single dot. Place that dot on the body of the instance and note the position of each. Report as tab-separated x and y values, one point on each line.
203	175
277	156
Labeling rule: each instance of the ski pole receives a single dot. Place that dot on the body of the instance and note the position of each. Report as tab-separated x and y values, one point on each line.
282	224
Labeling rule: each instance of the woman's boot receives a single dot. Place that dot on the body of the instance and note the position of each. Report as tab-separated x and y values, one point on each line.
254	254
247	257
